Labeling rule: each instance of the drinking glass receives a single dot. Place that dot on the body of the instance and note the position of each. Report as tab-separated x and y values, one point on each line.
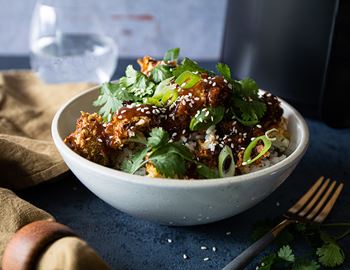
68	43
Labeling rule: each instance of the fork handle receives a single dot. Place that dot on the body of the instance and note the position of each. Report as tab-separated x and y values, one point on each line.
251	252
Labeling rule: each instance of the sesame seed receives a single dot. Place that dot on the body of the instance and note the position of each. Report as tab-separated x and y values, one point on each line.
225	81
203	247
229	86
183	102
174	134
184	256
210	82
169	240
99	139
228	233
232	145
258	126
184	131
205	80
138	109
120	117
212	118
206	259
262	264
195	72
183	84
214	249
148	112
244	163
206	114
123	111
277	204
196	98
214	83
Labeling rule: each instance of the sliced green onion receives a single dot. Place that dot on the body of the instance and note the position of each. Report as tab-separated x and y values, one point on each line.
187	79
206	118
226	153
170	97
165	93
247	153
267	134
153	101
206	172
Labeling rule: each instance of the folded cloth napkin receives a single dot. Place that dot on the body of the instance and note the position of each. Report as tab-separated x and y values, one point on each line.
28	157
27	106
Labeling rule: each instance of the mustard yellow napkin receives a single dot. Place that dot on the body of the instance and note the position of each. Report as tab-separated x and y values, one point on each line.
27	106
28	157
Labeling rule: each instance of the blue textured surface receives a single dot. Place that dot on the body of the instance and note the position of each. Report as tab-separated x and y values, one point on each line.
129	243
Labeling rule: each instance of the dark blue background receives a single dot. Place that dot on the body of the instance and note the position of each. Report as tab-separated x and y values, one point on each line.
129	243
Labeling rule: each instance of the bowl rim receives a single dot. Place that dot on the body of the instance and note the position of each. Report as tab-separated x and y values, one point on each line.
166	182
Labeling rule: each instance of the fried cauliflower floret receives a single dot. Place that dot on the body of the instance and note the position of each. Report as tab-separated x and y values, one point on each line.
147	63
88	138
118	131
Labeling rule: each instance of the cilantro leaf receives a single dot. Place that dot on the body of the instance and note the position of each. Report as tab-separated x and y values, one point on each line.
285	253
137	83
108	100
158	136
249	88
306	265
225	71
188	65
161	73
169	159
175	148
330	254
170	164
136	161
249	111
171	55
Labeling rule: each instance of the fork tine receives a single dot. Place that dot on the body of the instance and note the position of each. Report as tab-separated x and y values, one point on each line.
314	199
299	204
322	201
327	209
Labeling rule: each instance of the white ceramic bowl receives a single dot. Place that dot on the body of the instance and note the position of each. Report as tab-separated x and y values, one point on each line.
170	201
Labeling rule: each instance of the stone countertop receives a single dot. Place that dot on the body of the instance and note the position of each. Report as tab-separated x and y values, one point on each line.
126	242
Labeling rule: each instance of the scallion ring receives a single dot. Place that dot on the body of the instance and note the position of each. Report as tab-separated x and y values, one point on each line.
224	157
267	134
187	79
248	151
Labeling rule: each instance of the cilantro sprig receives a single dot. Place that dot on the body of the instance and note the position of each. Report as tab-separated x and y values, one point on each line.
326	250
132	87
247	106
169	158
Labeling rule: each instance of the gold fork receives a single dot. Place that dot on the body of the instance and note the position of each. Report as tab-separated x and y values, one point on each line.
313	206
